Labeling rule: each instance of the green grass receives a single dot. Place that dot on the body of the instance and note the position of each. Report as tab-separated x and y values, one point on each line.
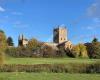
48	76
48	60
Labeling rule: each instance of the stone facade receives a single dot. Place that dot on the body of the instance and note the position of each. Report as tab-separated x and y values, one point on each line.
59	34
66	45
22	41
53	45
60	37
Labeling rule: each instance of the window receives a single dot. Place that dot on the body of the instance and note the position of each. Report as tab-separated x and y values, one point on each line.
61	38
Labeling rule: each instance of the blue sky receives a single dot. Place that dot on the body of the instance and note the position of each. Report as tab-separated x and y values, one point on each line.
37	18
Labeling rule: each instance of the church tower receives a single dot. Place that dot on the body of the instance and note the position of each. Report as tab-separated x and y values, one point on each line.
22	41
60	34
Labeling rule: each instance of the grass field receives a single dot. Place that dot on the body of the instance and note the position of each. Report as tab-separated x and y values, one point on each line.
48	76
48	60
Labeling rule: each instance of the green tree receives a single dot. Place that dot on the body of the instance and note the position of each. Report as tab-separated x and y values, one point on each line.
94	40
1	31
10	41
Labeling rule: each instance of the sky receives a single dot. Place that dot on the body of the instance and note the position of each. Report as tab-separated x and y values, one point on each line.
37	18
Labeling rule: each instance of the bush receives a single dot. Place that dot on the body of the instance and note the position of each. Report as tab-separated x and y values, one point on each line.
19	52
2	58
47	51
52	68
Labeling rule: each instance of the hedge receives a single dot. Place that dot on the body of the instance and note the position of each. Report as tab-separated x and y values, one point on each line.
53	68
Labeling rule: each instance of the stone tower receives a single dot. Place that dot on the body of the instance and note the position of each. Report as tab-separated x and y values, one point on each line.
60	34
22	41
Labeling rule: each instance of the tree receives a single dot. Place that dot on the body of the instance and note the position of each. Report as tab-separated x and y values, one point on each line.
10	41
2	58
61	52
3	43
79	51
3	46
93	48
96	50
1	31
94	40
47	51
19	52
34	44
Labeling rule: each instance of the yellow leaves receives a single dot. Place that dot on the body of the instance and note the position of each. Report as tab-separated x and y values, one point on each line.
2	57
3	43
33	44
80	50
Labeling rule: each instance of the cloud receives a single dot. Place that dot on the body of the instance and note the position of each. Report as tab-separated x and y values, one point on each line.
96	20
93	13
90	27
93	27
3	1
19	24
2	9
17	13
94	9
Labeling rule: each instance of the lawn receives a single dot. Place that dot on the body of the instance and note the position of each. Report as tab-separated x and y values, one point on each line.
48	60
44	75
48	76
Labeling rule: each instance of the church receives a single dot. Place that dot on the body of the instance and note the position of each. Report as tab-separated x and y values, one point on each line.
60	39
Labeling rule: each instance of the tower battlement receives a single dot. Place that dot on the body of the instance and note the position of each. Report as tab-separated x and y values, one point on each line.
60	34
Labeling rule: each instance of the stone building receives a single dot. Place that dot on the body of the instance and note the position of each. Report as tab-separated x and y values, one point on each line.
60	37
59	34
22	41
53	45
66	45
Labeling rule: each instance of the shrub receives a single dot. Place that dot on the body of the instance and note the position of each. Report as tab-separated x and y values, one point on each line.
52	68
2	58
19	52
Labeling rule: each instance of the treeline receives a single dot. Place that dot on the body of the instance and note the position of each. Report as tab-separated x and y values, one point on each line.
39	49
36	48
